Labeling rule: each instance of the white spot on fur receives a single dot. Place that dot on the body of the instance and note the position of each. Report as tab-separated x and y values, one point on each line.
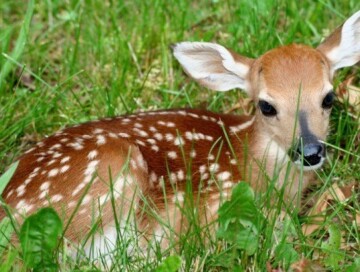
169	137
179	141
76	145
143	133
223	175
55	146
91	168
172	155
202	169
86	136
242	126
92	154
112	135
9	193
193	115
173	177
204	117
228	184
78	189
40	159
158	136
57	155
56	198
180	175
209	138
133	164
100	140
124	135
27	181
204	176
86	200
151	141
21	190
214	167
140	143
51	162
153	178
141	162
178	197
65	159
53	172
153	129
30	150
125	120
64	168
138	125
155	148
170	124
23	206
45	186
98	131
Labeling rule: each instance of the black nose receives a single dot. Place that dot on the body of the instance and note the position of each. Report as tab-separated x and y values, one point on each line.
312	153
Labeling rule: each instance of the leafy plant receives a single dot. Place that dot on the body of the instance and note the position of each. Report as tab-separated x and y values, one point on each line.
39	237
170	264
332	247
240	220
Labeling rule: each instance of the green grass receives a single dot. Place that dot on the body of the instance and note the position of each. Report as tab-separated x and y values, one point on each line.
82	60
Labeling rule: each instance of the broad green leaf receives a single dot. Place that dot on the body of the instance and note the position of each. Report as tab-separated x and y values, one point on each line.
241	237
240	220
170	264
285	254
240	207
332	248
5	178
39	238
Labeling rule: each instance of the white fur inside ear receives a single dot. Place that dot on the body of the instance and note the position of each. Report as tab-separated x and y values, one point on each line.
212	65
347	53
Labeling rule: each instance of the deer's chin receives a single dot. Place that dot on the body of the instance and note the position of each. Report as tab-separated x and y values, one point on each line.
306	168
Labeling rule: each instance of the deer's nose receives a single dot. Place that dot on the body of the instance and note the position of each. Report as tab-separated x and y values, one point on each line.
313	153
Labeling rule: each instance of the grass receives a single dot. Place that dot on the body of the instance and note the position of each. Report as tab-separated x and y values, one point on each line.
82	60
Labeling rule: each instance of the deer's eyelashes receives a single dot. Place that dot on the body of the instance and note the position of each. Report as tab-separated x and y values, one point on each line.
328	100
267	109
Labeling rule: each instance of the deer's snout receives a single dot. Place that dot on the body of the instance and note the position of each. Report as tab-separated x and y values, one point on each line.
310	155
308	152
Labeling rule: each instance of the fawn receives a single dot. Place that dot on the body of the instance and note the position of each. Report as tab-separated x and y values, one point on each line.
151	157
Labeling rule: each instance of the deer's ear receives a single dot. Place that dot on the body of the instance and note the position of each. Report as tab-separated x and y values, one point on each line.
213	66
342	47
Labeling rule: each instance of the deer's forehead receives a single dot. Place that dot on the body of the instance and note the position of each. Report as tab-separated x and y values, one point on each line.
289	68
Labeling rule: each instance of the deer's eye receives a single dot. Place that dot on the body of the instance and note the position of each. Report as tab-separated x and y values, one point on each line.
328	100
266	108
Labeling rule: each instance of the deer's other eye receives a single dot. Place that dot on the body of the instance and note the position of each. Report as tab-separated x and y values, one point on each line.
328	100
266	108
